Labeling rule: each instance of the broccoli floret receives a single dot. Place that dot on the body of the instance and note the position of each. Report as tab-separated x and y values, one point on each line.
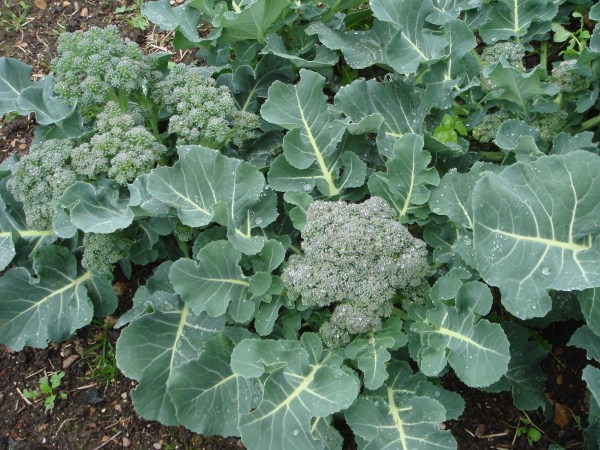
122	148
485	132
40	178
184	233
102	251
96	64
356	258
551	124
570	78
202	112
509	53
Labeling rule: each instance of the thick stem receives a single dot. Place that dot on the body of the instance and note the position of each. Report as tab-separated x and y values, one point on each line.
544	55
492	156
183	247
590	123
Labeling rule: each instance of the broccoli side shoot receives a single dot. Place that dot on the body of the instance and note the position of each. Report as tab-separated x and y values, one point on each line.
102	251
202	112
509	53
96	65
570	77
121	149
356	258
486	130
40	178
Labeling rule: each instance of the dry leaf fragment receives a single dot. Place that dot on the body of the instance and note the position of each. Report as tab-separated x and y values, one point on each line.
562	414
69	361
40	4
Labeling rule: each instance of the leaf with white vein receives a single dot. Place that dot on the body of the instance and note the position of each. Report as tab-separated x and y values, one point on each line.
536	228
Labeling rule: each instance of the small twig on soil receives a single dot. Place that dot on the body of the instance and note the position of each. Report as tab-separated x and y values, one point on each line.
34	374
472	435
61	425
81	388
117	423
110	440
23	397
494	435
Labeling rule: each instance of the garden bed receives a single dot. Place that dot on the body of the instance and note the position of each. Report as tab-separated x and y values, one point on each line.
97	411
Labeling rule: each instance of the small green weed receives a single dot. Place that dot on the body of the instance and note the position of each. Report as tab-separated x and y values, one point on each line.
14	17
101	356
134	18
528	429
48	390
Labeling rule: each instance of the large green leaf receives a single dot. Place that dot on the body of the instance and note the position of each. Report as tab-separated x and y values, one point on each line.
371	351
14	78
586	339
589	301
447	10
254	21
103	208
512	18
303	52
525	377
477	349
404	183
7	246
361	49
178	336
414	43
536	227
207	395
311	144
206	186
40	100
390	108
300	381
248	85
212	283
403	415
182	18
50	307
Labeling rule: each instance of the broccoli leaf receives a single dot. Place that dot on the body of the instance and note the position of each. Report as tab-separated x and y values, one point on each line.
413	43
311	144
370	351
586	339
95	209
206	186
209	397
178	337
50	307
512	18
404	183
302	381
254	21
390	108
589	300
183	18
404	414
536	228
212	283
14	79
40	100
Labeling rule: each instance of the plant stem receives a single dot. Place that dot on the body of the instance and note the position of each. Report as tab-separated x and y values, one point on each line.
492	156
183	247
544	55
590	123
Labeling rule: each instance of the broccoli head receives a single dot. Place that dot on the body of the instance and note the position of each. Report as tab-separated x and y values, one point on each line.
102	251
570	78
509	53
356	257
202	112
121	149
485	131
40	178
551	124
95	64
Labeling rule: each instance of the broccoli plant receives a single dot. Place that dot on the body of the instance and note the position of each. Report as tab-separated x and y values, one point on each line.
356	258
202	112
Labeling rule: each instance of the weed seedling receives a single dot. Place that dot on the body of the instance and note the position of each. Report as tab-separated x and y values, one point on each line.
528	429
48	390
13	17
135	18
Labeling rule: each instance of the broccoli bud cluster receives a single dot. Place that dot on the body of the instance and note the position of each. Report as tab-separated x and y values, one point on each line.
102	251
203	113
95	64
356	258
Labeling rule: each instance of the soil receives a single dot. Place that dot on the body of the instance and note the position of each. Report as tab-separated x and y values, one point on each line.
97	412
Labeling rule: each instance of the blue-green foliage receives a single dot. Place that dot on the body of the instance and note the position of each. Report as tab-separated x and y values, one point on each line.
356	258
